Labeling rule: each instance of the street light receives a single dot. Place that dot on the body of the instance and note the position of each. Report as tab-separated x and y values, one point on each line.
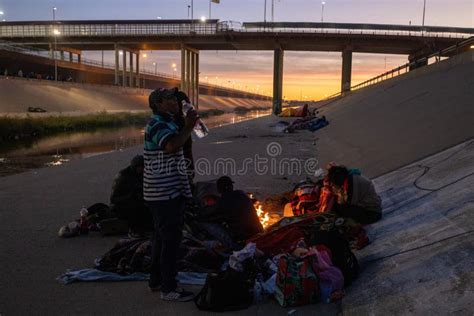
322	11
203	18
423	21
2	13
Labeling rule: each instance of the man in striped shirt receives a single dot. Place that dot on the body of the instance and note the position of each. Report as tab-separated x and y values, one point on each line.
165	188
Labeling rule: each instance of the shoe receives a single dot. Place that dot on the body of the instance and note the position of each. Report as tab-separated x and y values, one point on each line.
178	295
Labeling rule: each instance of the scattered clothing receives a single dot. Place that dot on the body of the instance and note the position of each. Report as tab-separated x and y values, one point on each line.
310	123
93	275
238	257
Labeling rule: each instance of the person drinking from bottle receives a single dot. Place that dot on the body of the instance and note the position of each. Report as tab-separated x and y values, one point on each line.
166	188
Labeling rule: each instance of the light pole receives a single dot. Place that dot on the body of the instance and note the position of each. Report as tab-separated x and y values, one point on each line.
210	1
55	34
322	11
154	64
273	10
423	21
265	12
1	14
189	8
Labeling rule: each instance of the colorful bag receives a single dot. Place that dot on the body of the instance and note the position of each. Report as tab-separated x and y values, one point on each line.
296	282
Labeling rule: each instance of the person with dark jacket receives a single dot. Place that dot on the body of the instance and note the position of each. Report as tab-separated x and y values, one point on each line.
237	210
127	201
356	195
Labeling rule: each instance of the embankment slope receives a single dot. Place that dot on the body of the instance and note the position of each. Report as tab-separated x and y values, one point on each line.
17	95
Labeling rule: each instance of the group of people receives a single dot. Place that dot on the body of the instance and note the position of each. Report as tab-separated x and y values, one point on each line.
152	193
34	75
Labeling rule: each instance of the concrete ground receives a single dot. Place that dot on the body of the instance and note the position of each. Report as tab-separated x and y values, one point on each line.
384	128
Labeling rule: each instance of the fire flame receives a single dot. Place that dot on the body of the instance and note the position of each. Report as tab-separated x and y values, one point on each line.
263	216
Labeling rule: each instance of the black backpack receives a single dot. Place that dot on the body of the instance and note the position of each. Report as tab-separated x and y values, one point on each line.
342	256
228	290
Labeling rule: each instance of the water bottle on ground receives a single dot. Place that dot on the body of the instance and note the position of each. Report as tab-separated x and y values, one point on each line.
200	129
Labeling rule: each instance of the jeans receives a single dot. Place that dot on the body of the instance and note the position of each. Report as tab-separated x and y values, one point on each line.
357	213
168	221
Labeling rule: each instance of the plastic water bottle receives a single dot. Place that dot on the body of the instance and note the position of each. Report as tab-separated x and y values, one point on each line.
200	129
84	222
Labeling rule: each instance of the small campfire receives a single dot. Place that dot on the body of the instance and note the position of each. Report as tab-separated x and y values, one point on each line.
266	219
263	216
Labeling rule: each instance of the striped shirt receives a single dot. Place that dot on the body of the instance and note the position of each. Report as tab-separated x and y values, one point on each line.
165	176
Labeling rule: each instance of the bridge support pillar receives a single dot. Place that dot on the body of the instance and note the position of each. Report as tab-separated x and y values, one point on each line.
79	58
117	66
131	77
124	69
138	70
190	74
277	81
70	57
346	71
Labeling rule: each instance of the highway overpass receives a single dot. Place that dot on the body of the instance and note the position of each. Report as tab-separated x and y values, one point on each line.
192	36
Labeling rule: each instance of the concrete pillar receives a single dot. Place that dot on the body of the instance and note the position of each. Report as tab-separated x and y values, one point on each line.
192	80
62	55
188	71
124	69
346	71
117	66
183	69
138	68
131	70
196	104
70	57
79	58
277	81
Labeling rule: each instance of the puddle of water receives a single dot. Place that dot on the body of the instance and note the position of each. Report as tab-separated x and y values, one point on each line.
60	149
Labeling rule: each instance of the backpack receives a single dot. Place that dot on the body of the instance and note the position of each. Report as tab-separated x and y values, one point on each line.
296	281
229	290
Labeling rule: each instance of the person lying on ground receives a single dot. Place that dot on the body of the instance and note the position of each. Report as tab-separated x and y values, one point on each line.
127	198
356	196
166	188
238	212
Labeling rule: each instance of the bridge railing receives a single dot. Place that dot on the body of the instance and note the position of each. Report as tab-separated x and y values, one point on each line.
104	30
430	59
355	29
48	29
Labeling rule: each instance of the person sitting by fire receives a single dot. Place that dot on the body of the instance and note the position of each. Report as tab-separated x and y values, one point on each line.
127	201
356	197
237	211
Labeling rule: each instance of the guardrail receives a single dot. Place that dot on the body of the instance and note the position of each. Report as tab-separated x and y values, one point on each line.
433	58
45	29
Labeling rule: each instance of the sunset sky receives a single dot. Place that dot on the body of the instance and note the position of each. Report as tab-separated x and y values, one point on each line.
306	74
